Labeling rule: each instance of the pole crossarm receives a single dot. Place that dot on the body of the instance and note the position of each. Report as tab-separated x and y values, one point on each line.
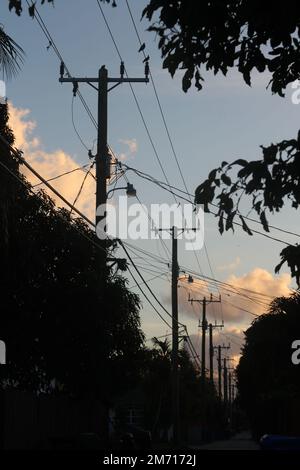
96	80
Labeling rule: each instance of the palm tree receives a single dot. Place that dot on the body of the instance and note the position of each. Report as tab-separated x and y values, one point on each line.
11	55
162	346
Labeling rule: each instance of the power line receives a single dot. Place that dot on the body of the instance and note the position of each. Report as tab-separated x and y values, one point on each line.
168	135
44	181
148	300
82	186
134	96
161	184
47	34
21	159
27	186
148	280
166	250
75	128
225	285
82	168
142	278
230	339
158	100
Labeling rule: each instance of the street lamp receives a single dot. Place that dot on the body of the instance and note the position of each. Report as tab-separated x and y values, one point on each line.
130	190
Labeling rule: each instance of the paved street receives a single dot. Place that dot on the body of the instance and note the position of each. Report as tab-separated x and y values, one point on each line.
241	441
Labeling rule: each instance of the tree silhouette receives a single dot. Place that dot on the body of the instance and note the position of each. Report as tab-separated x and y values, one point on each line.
244	35
11	55
271	182
61	322
218	35
268	382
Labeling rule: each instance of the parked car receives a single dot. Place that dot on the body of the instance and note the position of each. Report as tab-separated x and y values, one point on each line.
278	442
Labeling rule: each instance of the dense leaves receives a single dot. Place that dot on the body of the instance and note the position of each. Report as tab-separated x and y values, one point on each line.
68	325
268	381
16	5
11	55
271	182
157	386
218	35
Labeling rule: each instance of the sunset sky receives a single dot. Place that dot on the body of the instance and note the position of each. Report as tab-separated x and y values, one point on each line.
225	121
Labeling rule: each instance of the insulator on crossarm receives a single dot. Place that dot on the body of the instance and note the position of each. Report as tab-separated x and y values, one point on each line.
75	88
62	69
147	69
122	69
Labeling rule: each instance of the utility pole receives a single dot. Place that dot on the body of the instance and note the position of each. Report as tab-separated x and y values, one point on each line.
229	391
204	326
211	350
175	336
102	158
102	161
225	382
220	371
230	371
219	348
175	374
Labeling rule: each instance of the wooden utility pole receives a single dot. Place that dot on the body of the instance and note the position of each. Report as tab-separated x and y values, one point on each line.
211	350
219	348
175	375
175	343
203	326
102	161
220	371
225	382
102	158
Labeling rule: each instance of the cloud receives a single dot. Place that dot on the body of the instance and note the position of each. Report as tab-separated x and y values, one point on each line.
234	308
231	266
132	146
51	164
231	341
246	296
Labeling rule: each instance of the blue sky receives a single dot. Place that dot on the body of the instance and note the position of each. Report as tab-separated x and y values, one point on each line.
225	121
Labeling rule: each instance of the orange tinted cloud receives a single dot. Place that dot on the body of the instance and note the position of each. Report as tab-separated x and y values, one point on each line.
51	164
235	307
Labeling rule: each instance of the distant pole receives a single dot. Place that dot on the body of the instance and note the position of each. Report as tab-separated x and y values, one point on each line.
175	375
229	399
229	389
220	372
203	352
211	354
204	327
211	328
225	382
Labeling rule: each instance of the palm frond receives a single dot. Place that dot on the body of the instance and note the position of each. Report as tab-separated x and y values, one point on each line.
11	55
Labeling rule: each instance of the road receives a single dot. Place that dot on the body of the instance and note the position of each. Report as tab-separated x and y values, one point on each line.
241	441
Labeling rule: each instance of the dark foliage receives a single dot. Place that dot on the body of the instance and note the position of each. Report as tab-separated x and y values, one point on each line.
268	382
61	322
219	35
271	182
